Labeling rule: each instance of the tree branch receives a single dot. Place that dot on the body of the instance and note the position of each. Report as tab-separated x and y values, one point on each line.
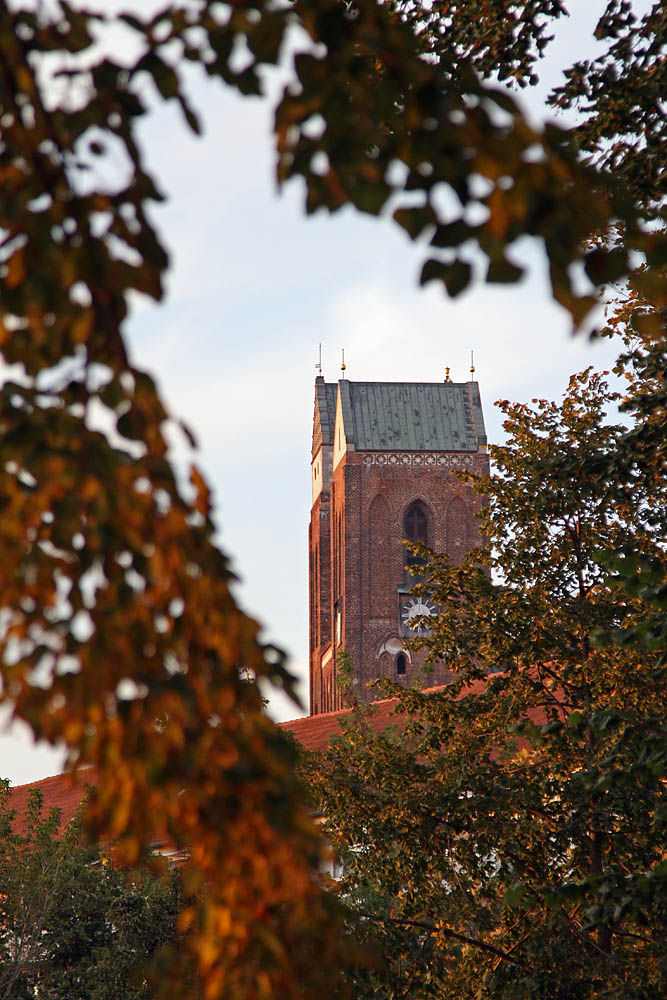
446	931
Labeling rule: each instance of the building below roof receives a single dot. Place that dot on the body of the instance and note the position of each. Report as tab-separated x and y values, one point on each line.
313	733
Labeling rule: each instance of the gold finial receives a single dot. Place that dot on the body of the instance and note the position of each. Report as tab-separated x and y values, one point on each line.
342	364
318	366
447	378
472	365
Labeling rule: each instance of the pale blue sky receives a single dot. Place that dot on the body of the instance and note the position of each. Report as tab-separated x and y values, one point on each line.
254	288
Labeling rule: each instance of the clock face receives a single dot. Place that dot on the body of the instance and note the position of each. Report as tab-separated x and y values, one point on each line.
416	607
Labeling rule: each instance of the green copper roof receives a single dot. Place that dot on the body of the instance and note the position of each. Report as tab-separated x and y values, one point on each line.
405	416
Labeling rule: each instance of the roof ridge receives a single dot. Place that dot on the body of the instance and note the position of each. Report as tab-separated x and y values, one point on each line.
336	712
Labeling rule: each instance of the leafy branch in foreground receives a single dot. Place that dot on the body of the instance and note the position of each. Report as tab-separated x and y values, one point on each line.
120	636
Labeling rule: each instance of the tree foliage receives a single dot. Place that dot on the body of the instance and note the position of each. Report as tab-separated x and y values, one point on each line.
120	637
71	924
370	124
501	42
541	583
509	842
623	127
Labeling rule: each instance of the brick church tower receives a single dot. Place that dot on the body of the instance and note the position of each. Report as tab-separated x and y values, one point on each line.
383	470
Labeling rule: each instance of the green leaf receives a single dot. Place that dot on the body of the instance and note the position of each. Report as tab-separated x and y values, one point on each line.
501	270
453	234
456	276
415	220
514	895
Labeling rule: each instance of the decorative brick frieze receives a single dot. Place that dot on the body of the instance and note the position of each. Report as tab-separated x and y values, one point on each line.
430	460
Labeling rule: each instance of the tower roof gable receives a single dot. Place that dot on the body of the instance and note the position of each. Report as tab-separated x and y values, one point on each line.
324	417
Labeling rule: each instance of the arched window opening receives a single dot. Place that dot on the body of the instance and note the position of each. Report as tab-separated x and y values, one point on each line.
415	527
380	553
401	663
385	664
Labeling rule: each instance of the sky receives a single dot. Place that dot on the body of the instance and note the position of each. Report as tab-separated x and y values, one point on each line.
254	287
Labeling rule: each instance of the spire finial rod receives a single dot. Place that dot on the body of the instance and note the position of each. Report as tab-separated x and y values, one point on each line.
447	378
343	366
318	366
472	365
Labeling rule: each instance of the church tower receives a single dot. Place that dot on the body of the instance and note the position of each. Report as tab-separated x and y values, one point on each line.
384	462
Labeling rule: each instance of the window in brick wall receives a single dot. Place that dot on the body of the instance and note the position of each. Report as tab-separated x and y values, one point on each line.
386	664
380	555
415	527
401	663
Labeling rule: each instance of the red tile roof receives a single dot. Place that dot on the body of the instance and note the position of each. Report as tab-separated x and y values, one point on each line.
314	732
61	791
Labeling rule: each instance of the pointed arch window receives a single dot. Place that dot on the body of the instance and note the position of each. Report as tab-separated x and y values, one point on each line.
415	529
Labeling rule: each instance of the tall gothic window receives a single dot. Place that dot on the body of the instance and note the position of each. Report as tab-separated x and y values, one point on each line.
415	527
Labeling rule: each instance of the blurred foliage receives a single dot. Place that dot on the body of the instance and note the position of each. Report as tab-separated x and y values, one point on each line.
403	113
120	637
